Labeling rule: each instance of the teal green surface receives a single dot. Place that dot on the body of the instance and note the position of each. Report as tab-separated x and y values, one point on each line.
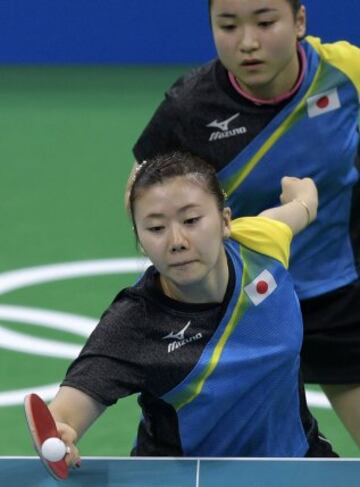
66	137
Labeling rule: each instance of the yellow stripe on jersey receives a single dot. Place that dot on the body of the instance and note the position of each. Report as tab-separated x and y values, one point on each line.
264	235
341	55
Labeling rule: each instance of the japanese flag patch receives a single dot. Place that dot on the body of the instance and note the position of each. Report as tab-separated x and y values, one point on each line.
323	103
261	287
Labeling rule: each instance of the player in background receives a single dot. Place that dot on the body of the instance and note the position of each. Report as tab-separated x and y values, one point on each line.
277	103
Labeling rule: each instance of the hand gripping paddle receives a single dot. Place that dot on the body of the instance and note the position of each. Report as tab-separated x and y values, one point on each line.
42	426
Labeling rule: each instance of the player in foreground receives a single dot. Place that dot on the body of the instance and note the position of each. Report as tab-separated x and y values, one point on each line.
210	336
272	105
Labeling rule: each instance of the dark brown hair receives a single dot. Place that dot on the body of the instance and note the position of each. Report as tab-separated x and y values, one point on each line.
295	5
163	167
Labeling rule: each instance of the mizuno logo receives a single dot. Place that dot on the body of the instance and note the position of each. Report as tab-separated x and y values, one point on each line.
224	132
178	336
180	339
224	125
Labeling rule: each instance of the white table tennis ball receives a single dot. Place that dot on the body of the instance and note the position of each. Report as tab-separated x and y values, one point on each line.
53	449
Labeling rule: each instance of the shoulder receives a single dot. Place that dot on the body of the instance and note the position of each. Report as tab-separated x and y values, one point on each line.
335	51
341	54
121	317
129	308
265	236
199	79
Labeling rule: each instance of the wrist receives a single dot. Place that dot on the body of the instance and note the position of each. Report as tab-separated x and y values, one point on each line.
306	208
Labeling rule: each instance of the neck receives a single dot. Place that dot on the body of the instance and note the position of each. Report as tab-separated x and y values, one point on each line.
277	94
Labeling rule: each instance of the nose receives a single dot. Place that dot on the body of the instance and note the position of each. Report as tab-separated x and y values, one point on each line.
248	41
177	239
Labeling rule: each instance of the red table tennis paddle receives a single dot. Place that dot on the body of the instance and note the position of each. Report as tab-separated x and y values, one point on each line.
42	426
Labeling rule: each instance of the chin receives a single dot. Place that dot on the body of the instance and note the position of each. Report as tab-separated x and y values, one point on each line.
186	282
255	80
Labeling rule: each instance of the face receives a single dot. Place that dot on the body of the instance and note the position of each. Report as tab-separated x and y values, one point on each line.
181	230
257	41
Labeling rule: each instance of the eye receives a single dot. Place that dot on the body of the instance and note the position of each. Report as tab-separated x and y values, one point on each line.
266	24
156	228
228	28
192	221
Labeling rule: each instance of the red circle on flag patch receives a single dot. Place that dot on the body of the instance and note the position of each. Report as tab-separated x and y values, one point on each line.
262	287
323	102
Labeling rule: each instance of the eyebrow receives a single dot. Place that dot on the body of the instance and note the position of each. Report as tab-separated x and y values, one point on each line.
256	12
181	210
264	10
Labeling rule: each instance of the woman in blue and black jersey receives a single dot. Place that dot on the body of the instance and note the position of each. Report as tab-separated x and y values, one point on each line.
210	336
273	104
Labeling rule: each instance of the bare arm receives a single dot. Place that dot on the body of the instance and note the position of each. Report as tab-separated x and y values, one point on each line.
299	200
74	411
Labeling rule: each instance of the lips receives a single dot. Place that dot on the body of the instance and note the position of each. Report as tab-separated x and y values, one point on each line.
182	264
251	62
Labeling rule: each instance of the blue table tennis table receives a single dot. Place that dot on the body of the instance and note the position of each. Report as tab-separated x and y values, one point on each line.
160	472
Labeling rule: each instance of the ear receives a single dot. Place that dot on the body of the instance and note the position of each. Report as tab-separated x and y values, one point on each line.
300	23
226	214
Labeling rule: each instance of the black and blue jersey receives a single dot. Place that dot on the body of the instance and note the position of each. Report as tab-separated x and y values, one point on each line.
314	134
217	379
